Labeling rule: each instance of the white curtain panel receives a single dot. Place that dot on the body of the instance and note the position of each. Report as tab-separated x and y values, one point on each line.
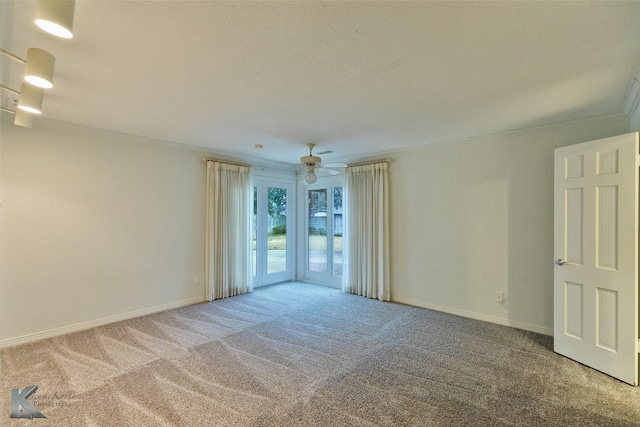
366	266
228	228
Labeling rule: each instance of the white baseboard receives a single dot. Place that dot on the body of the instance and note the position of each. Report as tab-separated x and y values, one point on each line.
474	315
97	322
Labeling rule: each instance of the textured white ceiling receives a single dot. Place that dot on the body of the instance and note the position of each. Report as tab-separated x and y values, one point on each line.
358	78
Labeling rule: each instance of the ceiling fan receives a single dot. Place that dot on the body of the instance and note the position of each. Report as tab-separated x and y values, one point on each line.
312	163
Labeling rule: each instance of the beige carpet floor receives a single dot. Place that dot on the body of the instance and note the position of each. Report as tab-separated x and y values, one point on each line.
296	354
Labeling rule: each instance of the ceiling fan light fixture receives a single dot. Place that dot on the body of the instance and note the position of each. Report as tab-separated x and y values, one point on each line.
310	177
39	68
310	159
31	98
56	17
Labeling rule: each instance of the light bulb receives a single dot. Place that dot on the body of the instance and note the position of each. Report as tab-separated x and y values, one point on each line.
310	177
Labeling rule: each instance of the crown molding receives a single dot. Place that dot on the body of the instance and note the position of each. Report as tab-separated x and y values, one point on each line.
633	97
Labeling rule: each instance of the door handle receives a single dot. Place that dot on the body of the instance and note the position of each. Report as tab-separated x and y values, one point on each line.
560	262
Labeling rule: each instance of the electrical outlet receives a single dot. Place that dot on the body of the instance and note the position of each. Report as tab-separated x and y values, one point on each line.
499	296
196	280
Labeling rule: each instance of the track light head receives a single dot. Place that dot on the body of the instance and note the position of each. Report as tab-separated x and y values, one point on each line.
39	68
31	98
23	119
56	17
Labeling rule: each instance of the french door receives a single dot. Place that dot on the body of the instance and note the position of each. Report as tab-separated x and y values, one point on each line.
323	239
271	232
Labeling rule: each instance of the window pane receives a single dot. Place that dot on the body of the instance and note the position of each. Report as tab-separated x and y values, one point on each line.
318	230
277	230
337	231
254	228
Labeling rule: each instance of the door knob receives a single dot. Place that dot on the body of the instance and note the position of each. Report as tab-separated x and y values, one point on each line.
560	262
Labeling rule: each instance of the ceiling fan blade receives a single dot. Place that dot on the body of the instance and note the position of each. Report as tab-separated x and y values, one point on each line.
329	171
334	165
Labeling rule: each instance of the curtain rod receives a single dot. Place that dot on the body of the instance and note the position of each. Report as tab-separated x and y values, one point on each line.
229	162
370	162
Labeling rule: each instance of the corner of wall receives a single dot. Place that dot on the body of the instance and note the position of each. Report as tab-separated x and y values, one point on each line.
634	121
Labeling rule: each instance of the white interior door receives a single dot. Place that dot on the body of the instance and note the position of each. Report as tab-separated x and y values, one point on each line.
596	251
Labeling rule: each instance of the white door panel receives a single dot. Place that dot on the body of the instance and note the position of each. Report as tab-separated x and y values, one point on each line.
596	245
323	243
272	254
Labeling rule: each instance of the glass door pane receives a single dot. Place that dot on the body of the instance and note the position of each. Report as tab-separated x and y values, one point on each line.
276	230
324	233
337	231
271	233
317	231
254	231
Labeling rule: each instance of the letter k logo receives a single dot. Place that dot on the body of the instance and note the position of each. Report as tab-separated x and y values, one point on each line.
21	407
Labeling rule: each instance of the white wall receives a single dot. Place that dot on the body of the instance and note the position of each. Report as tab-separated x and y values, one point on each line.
473	217
95	227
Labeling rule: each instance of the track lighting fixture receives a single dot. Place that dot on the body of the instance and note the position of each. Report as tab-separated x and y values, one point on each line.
38	66
29	104
38	72
23	119
31	98
56	17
